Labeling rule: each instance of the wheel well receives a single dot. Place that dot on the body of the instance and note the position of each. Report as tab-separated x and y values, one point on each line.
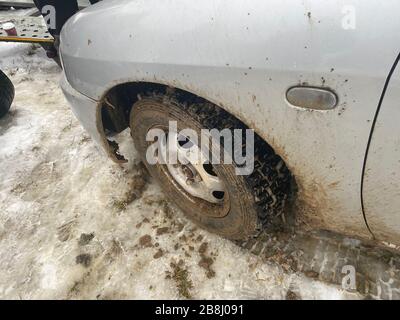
117	103
116	106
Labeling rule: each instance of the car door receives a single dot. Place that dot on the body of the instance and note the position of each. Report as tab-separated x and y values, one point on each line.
381	191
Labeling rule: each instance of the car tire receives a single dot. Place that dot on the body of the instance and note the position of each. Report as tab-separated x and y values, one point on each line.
249	203
6	94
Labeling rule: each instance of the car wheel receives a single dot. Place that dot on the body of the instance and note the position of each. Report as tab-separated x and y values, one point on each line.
234	206
6	94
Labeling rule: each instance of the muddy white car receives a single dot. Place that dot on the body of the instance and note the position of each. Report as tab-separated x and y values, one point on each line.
317	81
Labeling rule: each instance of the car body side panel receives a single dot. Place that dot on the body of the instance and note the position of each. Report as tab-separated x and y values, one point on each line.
382	173
86	110
243	56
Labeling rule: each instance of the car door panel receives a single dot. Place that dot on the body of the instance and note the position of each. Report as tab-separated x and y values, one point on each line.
382	173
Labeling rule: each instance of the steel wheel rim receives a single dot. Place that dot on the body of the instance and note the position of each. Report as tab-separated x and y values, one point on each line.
192	171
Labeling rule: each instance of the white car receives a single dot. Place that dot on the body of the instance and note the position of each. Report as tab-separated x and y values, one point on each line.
316	80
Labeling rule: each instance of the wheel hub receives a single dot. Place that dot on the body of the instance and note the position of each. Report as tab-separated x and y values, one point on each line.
192	171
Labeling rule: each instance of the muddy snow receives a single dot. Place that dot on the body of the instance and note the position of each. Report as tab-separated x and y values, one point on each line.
74	225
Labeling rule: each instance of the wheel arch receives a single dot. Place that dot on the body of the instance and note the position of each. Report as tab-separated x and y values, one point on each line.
114	111
117	101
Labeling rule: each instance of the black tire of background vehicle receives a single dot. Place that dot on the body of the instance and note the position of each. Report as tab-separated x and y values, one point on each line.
6	94
256	200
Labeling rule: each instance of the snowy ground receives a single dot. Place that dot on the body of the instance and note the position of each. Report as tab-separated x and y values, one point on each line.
75	225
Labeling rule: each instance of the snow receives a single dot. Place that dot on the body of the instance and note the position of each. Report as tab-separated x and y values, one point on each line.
55	186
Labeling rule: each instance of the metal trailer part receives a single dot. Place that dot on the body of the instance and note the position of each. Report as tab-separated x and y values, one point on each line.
29	30
31	27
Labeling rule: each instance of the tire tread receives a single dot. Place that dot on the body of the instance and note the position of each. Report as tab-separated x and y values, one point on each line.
7	92
270	181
